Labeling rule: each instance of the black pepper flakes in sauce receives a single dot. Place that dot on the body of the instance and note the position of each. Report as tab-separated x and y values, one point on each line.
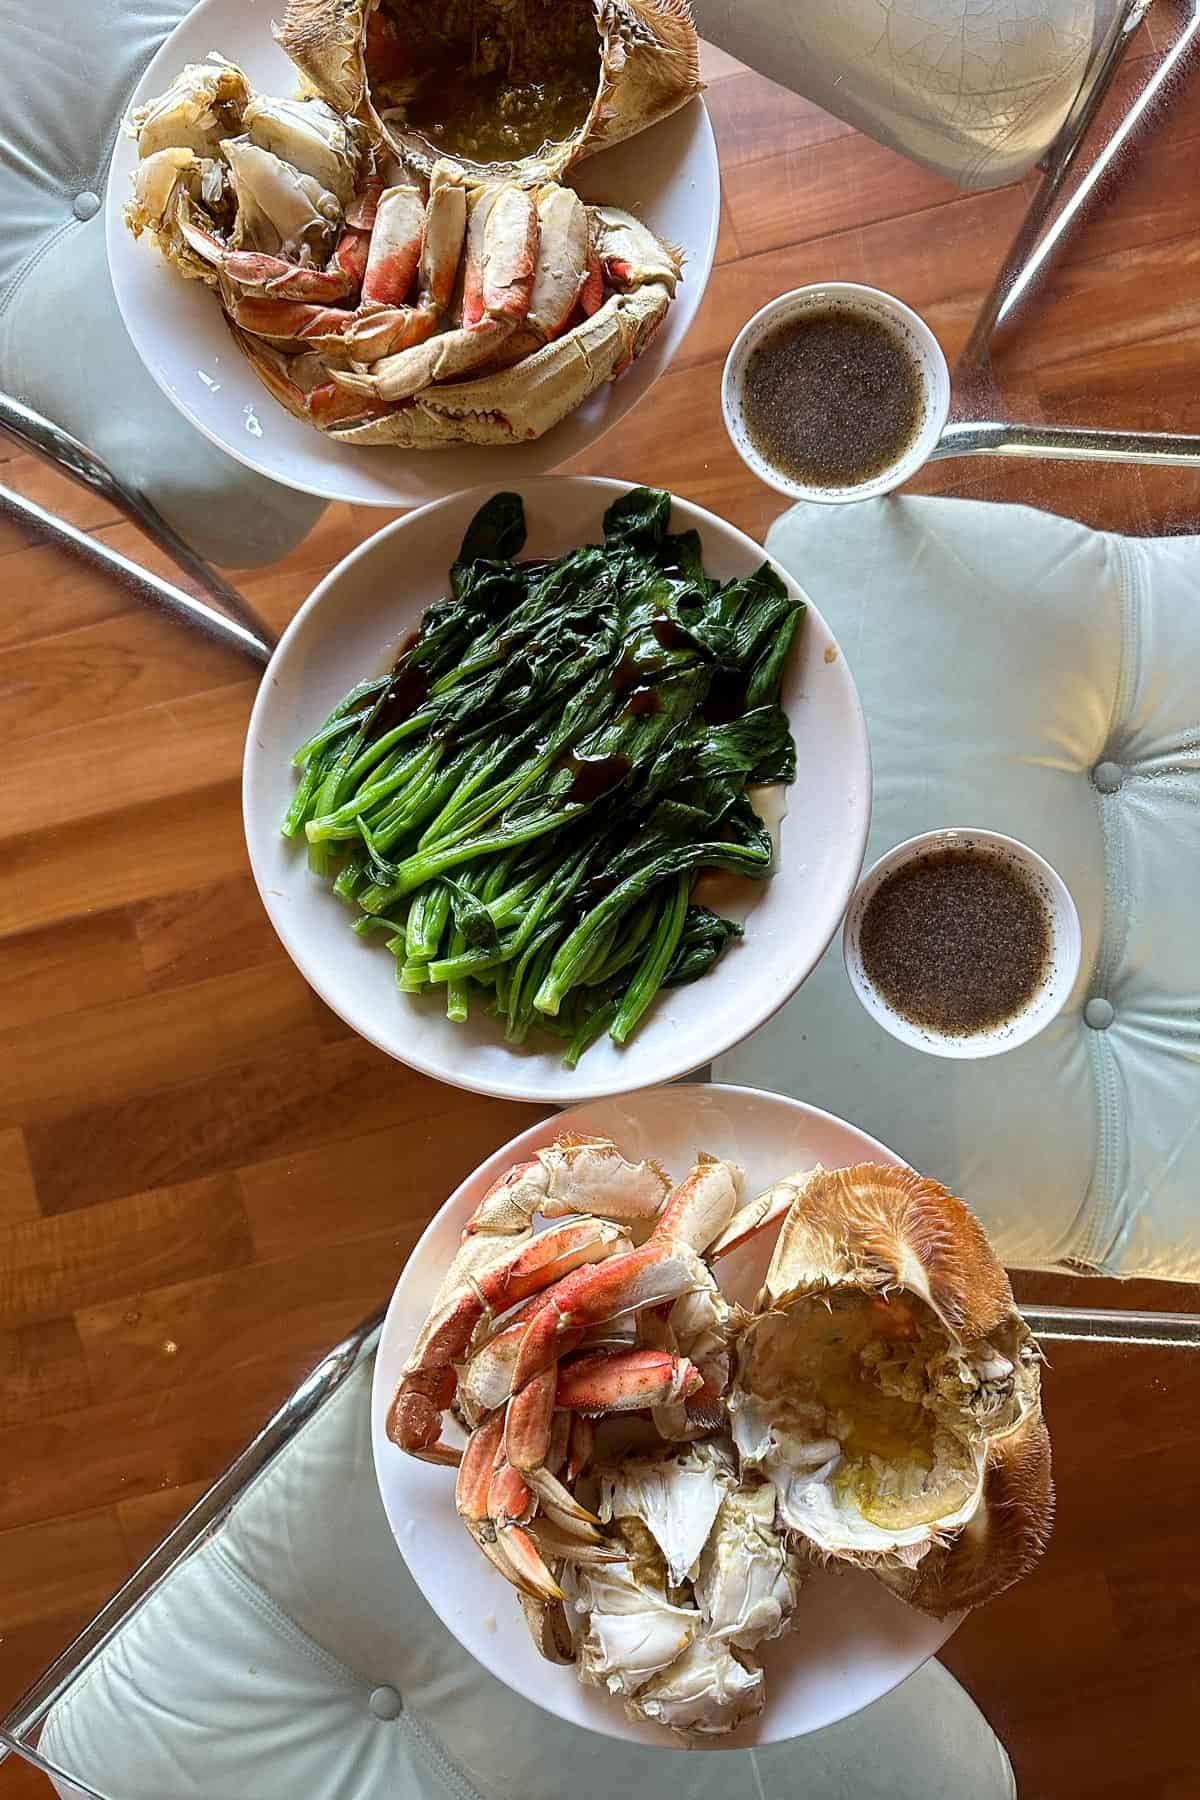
957	941
832	397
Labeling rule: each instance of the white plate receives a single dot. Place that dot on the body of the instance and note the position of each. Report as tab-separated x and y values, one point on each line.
348	629
667	175
854	1641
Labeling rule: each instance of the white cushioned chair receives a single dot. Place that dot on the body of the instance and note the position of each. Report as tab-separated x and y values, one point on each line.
1022	673
289	1654
69	72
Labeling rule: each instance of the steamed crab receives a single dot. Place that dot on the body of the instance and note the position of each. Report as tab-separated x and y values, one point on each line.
385	309
619	65
878	1406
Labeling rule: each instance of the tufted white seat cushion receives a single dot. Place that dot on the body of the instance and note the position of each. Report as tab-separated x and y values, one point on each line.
68	73
291	1656
1023	673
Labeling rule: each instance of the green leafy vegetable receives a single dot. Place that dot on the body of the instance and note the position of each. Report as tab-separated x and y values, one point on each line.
525	803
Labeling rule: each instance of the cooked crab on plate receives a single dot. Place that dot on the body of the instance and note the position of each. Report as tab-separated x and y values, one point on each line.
527	86
656	1469
384	285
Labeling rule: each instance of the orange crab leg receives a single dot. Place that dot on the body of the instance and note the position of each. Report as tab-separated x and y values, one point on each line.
428	1386
657	1271
581	1447
626	1380
396	238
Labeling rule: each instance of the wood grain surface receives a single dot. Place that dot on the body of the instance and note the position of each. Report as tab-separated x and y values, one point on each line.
205	1179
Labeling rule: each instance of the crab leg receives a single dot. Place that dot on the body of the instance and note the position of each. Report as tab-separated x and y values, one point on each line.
665	1266
301	383
256	274
626	1380
562	269
501	259
581	1447
353	247
433	239
296	322
508	1546
574	1174
487	1379
414	1420
759	1214
395	250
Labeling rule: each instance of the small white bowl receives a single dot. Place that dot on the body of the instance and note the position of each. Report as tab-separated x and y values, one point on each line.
915	333
1061	969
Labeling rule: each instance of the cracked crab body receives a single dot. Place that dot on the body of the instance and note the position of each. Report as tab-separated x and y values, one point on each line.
618	66
889	1390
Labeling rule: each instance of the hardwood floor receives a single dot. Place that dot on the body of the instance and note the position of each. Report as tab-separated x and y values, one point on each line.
205	1179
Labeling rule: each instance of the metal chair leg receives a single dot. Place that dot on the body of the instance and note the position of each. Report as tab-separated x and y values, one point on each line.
1034	245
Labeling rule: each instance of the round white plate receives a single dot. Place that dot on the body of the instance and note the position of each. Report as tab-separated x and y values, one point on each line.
853	1640
351	626
667	175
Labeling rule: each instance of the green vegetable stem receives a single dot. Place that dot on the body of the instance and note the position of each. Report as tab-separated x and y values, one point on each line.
524	804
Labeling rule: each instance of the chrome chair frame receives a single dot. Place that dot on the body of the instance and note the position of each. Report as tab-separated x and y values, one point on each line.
1037	241
19	1727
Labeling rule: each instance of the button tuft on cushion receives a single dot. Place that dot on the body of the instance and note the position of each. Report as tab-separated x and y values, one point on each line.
1099	1014
86	205
1108	776
386	1703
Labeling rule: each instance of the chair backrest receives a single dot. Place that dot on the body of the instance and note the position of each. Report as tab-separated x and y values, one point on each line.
976	93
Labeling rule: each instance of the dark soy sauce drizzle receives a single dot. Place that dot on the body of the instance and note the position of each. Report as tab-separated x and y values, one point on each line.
957	940
406	692
833	397
594	776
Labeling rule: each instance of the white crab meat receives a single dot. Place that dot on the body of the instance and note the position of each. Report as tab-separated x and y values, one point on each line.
677	1497
310	136
888	1389
748	1580
169	187
632	1631
856	1465
203	106
707	1692
280	211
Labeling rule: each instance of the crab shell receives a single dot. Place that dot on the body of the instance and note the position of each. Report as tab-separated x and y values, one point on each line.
890	1390
649	67
521	403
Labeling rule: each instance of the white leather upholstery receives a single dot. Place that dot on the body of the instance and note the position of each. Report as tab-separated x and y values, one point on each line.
974	89
1003	656
291	1658
68	73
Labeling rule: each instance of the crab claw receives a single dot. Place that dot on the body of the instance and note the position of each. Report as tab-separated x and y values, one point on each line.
501	259
432	238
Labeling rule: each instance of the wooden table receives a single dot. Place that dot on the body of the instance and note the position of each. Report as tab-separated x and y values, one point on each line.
205	1179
